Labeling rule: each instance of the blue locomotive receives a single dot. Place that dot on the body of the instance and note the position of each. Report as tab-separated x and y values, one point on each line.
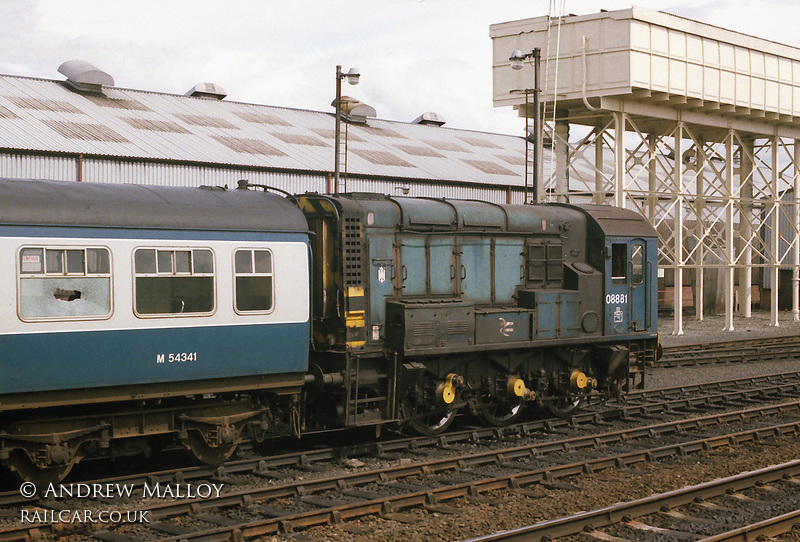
207	316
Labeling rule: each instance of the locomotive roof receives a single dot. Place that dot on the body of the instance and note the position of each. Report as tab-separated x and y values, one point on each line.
438	214
618	221
140	206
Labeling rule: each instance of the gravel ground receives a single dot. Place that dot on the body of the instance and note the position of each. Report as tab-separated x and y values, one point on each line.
604	488
710	329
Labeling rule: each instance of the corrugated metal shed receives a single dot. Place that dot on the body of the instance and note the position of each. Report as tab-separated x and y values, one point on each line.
174	135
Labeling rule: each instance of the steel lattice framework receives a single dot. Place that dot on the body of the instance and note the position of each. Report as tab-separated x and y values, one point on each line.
695	127
714	202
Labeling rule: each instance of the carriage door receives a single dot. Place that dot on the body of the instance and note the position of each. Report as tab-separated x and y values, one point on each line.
626	294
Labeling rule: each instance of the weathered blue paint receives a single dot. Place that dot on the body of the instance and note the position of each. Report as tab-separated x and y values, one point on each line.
91	359
442	266
508	264
476	271
631	307
414	265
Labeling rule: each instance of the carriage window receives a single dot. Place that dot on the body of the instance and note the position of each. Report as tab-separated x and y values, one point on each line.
64	283
619	263
173	281
253	280
637	264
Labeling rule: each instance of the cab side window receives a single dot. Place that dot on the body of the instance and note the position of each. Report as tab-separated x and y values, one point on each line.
173	281
637	263
64	283
619	263
253	280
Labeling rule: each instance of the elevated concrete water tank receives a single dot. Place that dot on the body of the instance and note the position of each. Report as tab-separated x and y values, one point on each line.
641	54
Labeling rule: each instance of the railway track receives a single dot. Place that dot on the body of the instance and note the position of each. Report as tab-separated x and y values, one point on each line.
735	351
637	404
701	512
259	500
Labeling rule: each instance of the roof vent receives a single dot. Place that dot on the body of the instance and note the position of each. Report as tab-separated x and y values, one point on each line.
207	90
434	119
84	77
355	111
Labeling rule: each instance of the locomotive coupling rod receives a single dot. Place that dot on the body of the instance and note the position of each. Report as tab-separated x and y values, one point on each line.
446	391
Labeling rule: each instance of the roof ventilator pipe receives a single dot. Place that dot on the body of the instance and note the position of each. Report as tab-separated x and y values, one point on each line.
207	90
431	118
354	111
83	77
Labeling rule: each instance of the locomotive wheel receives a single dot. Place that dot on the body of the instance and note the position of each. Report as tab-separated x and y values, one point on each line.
21	464
566	407
499	412
433	421
208	455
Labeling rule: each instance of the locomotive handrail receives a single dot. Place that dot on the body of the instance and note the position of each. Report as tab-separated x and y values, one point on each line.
647	321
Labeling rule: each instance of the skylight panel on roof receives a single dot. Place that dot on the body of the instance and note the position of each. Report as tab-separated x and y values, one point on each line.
297	139
331	134
117	103
261	118
36	104
201	120
513	160
446	146
249	146
378	131
6	113
381	158
419	151
480	142
156	125
88	132
489	167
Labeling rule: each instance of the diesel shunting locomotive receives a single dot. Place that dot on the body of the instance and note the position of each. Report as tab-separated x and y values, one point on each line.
143	315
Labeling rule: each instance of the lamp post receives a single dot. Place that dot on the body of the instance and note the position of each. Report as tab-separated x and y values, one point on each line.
352	78
517	59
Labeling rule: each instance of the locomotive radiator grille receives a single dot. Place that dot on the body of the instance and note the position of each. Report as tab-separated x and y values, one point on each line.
456	328
353	252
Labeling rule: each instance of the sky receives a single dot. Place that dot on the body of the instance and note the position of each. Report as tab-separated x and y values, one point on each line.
413	55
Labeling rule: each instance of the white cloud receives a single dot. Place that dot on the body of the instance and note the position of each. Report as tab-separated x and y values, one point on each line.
414	56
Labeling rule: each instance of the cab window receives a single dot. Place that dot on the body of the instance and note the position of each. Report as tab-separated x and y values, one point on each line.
637	264
619	263
170	281
64	283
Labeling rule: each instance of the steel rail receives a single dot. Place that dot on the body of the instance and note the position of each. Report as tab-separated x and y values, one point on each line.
497	456
769	527
516	480
640	402
431	497
617	513
735	343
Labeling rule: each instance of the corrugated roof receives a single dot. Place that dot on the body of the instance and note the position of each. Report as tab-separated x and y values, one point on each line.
43	115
